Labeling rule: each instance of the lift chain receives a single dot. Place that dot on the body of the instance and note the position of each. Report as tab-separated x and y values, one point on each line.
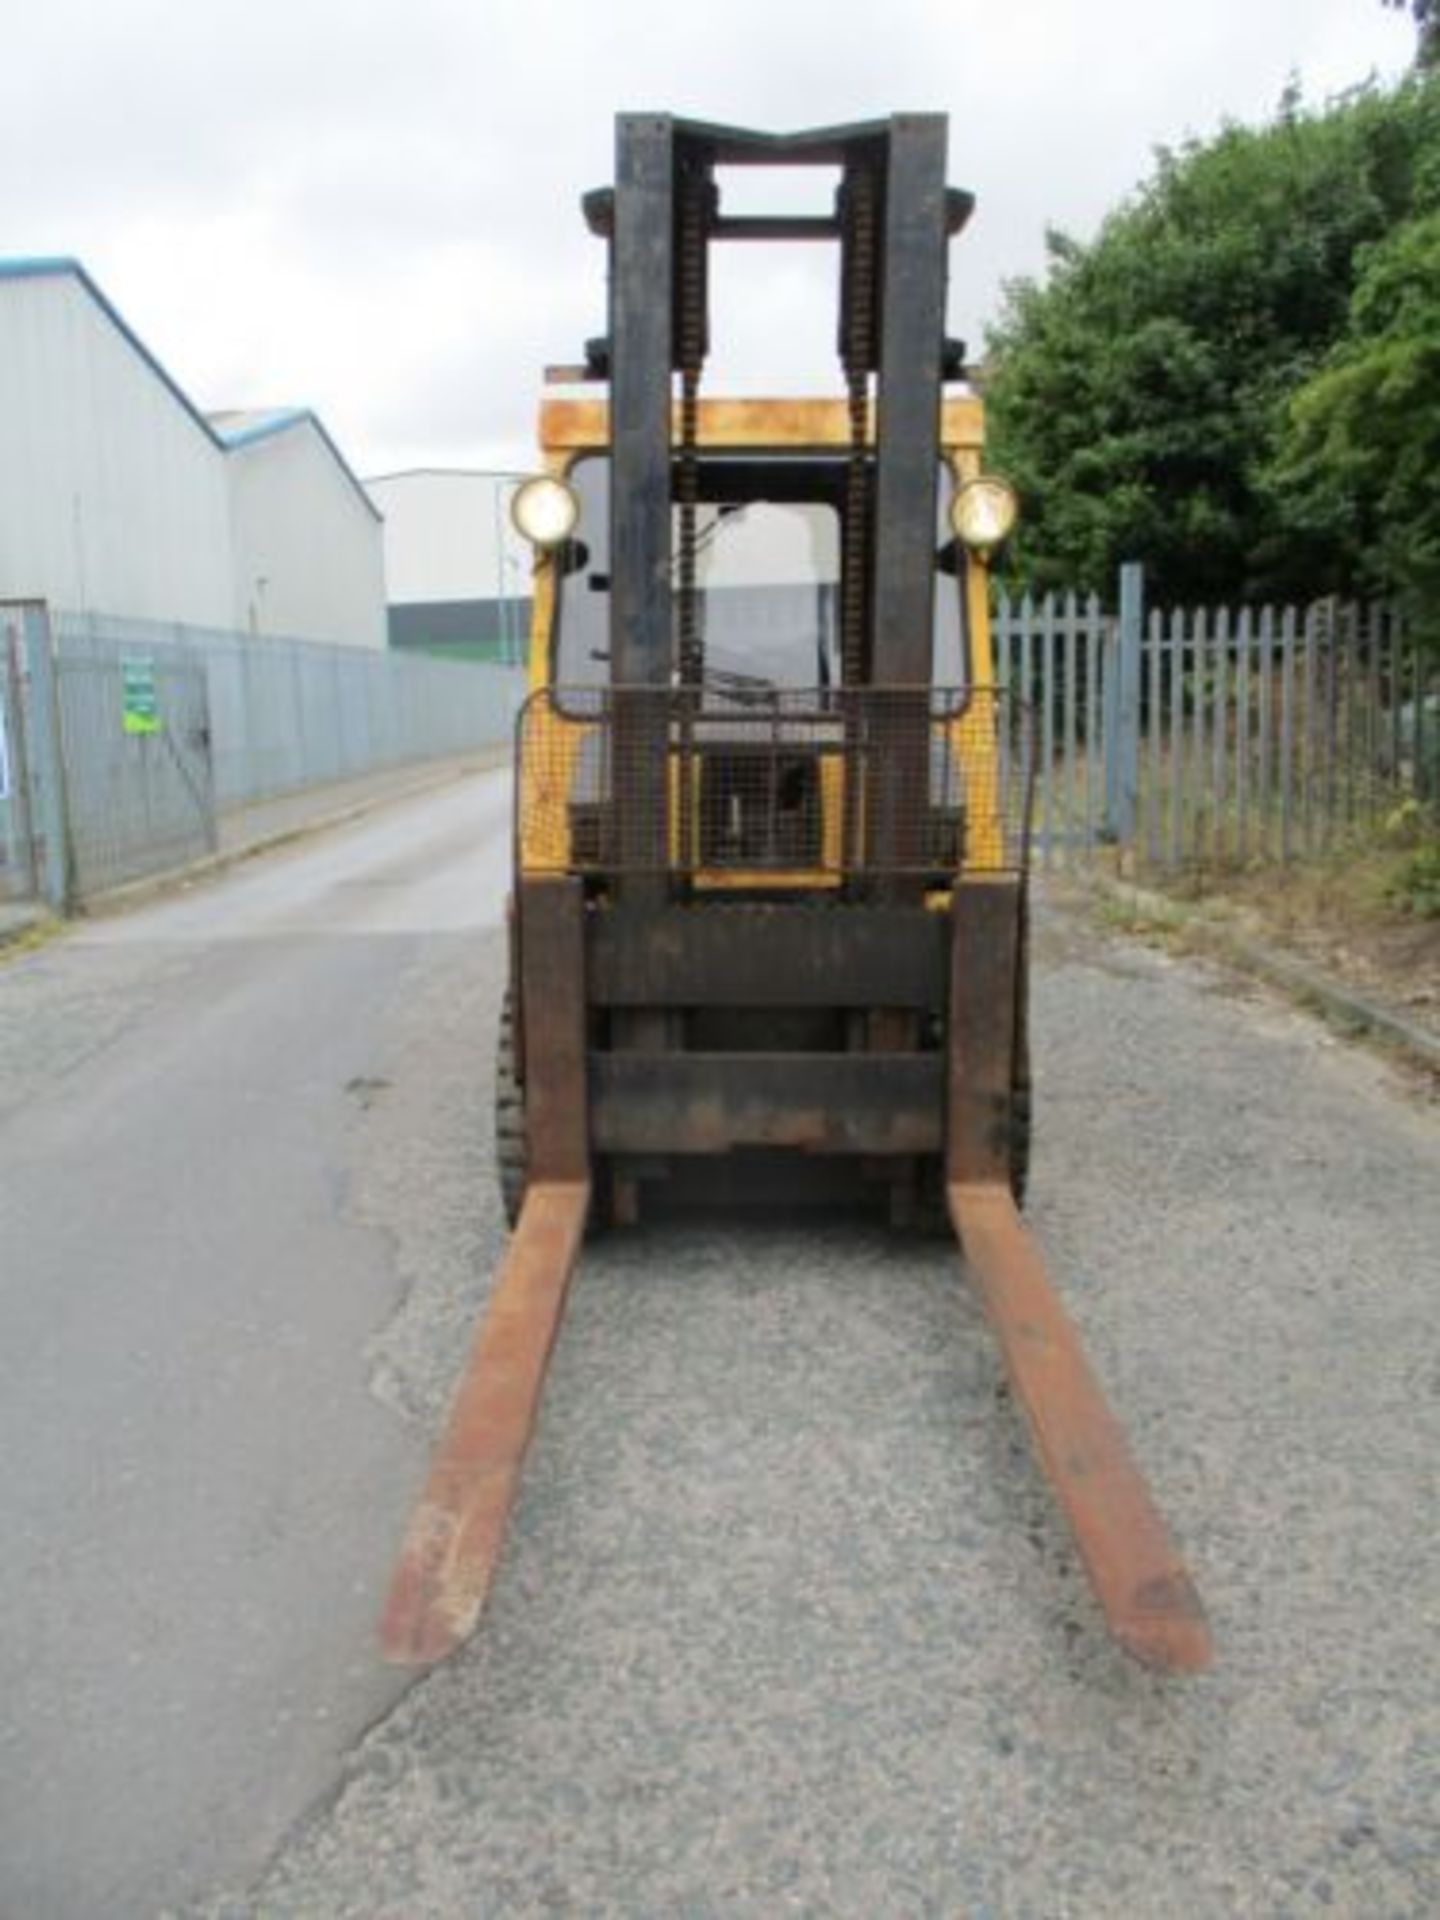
857	339
857	345
695	194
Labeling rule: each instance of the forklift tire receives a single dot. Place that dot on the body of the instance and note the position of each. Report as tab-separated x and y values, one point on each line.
1020	1140
1021	1092
510	1154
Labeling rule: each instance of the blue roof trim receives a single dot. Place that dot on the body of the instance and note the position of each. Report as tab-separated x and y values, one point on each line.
22	268
276	422
65	266
283	423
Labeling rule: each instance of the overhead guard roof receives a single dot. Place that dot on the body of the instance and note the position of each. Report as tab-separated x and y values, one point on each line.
814	147
745	146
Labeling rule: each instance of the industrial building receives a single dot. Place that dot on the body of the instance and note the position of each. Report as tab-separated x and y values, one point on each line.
120	497
458	574
308	548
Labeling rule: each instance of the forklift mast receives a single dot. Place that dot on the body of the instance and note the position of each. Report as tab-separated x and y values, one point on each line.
893	218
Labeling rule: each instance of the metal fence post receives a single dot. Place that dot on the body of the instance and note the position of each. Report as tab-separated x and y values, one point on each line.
14	753
45	743
1122	709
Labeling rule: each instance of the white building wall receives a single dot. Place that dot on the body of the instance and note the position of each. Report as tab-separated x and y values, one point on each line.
773	544
112	495
448	536
309	556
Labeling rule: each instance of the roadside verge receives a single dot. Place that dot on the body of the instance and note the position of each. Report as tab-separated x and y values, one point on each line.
1203	931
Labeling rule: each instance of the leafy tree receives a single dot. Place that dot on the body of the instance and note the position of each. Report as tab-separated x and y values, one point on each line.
1138	393
1426	15
1360	451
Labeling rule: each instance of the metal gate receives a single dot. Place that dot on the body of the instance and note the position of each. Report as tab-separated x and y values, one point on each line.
135	735
1059	658
1214	736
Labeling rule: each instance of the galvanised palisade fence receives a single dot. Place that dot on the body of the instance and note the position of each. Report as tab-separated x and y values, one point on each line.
1218	736
140	736
135	742
1190	736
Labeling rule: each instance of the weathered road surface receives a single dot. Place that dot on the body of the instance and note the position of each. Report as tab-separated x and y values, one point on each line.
786	1623
198	1487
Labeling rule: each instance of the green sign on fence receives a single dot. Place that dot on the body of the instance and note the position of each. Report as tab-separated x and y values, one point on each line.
141	703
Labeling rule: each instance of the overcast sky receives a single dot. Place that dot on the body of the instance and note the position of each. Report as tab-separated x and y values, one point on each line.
371	209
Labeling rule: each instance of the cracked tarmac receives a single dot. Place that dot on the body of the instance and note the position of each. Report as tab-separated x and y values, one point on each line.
786	1621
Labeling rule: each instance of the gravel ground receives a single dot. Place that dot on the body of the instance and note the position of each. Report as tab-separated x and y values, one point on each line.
786	1622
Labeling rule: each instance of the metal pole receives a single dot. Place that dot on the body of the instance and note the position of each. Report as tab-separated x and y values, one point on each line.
1122	709
510	632
15	754
509	622
47	758
502	635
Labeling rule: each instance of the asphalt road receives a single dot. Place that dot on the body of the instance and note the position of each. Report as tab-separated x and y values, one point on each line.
786	1623
199	1488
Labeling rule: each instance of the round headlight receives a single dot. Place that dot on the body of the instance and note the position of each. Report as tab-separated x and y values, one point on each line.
983	512
545	510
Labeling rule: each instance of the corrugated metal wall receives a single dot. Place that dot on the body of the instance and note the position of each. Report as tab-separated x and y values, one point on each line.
309	546
237	719
111	493
115	492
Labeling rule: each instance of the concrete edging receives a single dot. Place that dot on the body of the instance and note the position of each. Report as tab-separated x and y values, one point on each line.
1336	1002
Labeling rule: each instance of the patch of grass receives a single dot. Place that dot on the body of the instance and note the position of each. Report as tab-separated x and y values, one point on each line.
1366	912
1365	880
1414	887
1139	919
33	937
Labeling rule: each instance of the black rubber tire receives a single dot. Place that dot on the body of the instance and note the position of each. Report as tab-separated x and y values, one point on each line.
1021	1090
511	1154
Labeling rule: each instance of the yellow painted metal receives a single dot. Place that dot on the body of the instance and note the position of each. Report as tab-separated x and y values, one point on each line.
571	427
736	880
680	856
832	813
984	828
542	616
977	622
547	776
577	425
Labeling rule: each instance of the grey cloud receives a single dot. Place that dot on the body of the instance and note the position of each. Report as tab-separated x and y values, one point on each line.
372	208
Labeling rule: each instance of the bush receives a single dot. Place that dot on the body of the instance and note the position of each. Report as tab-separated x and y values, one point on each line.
1415	888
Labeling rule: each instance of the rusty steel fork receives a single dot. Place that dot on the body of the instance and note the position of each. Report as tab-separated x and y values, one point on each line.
453	1542
1149	1602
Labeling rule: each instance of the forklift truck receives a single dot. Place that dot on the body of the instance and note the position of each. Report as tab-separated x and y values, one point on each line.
768	925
